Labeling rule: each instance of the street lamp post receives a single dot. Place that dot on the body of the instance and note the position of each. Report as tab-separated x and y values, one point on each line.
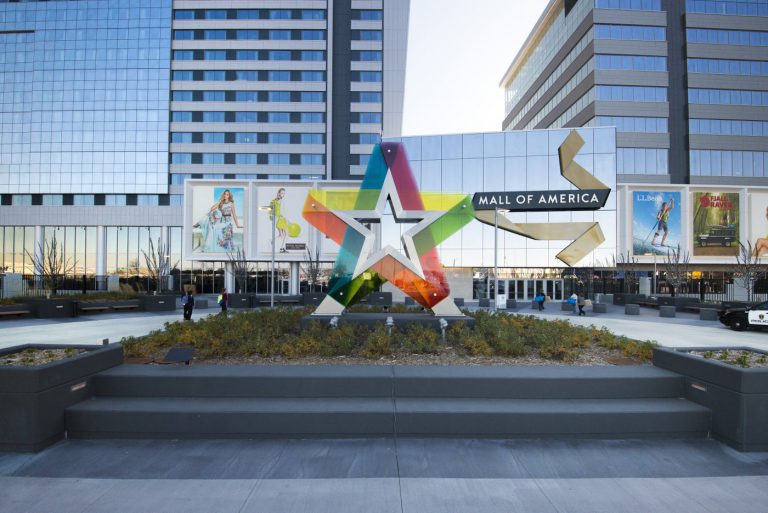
496	256
272	267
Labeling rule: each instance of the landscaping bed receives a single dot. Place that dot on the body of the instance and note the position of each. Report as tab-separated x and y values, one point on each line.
273	336
739	357
33	356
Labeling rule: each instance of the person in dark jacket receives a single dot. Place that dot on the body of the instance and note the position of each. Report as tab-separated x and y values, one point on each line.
189	304
223	300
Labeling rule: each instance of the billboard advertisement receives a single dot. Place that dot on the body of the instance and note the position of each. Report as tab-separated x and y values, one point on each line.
656	224
758	223
282	204
218	217
715	223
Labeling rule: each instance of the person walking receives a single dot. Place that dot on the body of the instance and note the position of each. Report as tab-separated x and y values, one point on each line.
189	304
223	300
540	300
581	303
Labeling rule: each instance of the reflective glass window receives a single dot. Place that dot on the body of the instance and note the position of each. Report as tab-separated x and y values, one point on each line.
214	96
312	14
279	159
728	67
631	62
368	97
181	137
369	138
184	14
247	55
183	55
370	76
278	138
248	14
246	96
368	14
215	35
246	117
182	96
215	55
215	14
187	35
181	158
312	96
278	117
246	158
279	55
247	34
245	138
213	76
312	76
635	5
370	117
183	75
311	159
213	158
311	138
280	35
370	55
278	76
83	199
53	200
280	14
630	32
213	117
312	35
181	117
727	37
728	7
278	96
312	55
214	137
252	76
312	117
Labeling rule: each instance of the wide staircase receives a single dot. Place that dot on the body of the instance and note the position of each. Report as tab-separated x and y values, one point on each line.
210	401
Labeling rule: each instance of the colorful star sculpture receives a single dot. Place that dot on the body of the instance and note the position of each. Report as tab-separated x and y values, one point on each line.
360	268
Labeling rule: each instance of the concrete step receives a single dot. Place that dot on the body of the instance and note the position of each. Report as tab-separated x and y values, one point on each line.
178	418
289	381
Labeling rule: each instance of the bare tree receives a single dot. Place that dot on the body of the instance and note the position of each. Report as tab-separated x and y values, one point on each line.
51	264
676	265
158	261
628	264
747	269
312	268
242	269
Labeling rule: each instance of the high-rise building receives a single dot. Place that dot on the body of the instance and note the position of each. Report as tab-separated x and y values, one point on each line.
108	106
684	82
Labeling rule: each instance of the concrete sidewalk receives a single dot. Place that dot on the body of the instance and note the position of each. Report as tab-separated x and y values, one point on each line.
385	475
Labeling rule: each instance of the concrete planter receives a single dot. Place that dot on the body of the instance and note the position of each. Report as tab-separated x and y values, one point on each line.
380	299
484	303
565	306
57	308
315	298
16	311
511	304
240	301
600	308
738	398
33	399
87	307
458	301
159	303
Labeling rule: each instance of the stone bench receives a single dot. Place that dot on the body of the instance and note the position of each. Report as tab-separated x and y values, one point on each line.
709	314
631	309
567	307
484	303
511	304
201	304
600	308
15	312
667	311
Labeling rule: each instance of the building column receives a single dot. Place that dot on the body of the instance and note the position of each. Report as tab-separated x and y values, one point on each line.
229	277
101	258
294	286
39	248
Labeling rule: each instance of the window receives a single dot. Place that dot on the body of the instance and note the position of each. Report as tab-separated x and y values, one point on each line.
729	163
176	200
279	55
278	159
631	62
727	97
248	14
181	117
182	96
183	55
312	97
214	76
312	117
630	32
214	137
214	96
252	76
368	15
370	76
247	55
633	124
218	14
215	55
246	158
278	117
311	138
370	117
213	158
246	117
183	75
642	161
84	199
215	35
312	55
312	14
181	137
312	35
312	76
247	34
728	127
635	5
213	117
369	138
370	35
280	14
53	200
728	67
184	15
147	199
246	96
311	160
732	7
280	35
727	37
367	97
370	55
119	200
278	138
245	138
631	93
278	76
181	158
278	96
183	35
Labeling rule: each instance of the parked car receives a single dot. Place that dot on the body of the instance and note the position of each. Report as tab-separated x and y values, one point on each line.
741	318
722	235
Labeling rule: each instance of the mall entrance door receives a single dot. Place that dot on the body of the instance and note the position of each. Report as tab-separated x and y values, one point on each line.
526	290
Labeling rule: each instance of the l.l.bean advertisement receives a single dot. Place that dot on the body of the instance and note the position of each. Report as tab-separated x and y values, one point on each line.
656	223
715	223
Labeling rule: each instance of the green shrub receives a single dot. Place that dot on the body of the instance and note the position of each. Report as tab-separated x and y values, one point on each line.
419	339
473	345
378	343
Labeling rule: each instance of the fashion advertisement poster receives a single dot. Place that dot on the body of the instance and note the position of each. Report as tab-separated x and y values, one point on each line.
282	205
219	215
758	223
715	223
656	225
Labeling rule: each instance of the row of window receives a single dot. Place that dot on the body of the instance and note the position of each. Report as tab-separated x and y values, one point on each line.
635	5
263	35
111	200
727	97
630	93
267	117
728	163
247	117
642	161
631	32
631	62
249	14
728	127
248	138
249	55
179	178
738	7
633	124
728	67
245	159
728	37
250	96
265	76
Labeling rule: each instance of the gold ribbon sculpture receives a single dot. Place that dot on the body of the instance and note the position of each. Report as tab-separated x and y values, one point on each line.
589	235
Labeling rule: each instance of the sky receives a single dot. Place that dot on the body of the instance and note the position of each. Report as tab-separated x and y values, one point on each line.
458	51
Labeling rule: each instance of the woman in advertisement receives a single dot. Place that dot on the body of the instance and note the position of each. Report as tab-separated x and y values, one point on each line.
761	244
217	227
276	215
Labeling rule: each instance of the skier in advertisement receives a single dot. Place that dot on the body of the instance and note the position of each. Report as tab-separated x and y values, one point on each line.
662	216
